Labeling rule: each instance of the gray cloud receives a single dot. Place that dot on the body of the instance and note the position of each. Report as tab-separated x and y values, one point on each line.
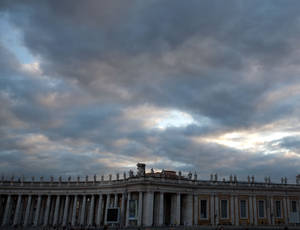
292	143
234	63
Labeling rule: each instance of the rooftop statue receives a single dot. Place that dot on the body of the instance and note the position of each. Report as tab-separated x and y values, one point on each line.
141	168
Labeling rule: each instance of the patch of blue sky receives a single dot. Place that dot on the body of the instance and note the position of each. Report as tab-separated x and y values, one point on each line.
11	38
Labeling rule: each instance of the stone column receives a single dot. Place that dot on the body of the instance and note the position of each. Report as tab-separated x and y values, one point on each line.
268	199
47	210
212	210
189	211
57	203
66	209
285	211
178	208
7	211
37	211
91	213
74	210
272	210
149	208
17	212
288	208
161	209
217	209
123	209
250	210
140	209
254	210
107	206
116	200
99	211
232	209
82	215
27	212
127	211
237	214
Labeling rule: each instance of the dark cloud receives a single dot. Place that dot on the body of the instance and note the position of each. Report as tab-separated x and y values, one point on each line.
234	64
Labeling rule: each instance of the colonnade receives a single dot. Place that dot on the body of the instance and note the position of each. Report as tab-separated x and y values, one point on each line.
87	209
58	210
150	208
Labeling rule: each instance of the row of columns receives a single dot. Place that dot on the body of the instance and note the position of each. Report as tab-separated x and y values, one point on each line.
148	214
36	212
73	209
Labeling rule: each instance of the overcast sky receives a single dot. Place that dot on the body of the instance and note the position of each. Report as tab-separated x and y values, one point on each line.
93	87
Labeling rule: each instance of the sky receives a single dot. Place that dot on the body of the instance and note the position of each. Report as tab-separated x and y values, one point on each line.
93	87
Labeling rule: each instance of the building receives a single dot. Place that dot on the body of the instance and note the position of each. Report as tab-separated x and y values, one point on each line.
148	199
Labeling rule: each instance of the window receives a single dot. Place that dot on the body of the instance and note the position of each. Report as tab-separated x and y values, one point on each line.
132	209
278	208
224	209
294	206
203	209
243	209
261	208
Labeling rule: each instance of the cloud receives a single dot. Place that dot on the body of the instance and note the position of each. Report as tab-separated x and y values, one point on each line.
102	76
291	143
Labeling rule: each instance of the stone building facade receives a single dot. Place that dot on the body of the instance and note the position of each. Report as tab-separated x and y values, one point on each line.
163	198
